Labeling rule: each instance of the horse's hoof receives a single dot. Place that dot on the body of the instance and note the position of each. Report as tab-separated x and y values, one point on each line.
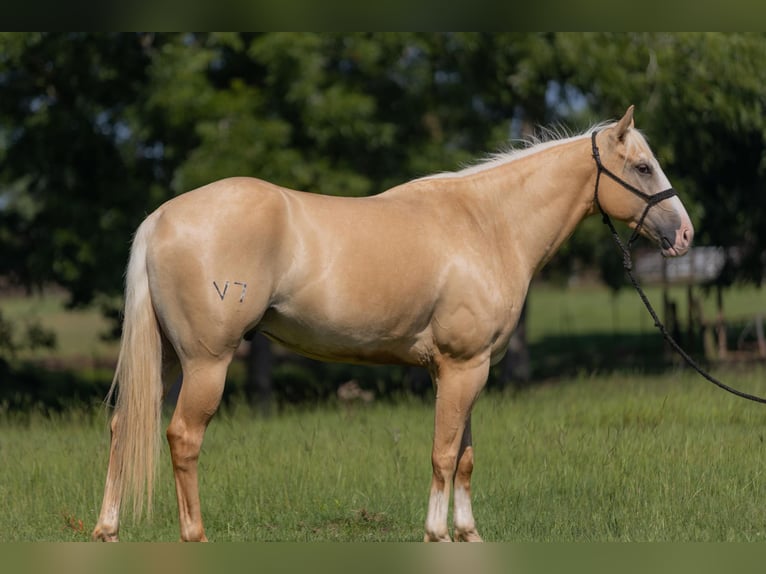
436	538
468	536
101	536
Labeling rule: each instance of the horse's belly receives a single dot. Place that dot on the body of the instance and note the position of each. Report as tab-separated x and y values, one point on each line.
350	343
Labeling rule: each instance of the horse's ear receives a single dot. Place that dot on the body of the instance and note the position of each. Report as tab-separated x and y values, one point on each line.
624	124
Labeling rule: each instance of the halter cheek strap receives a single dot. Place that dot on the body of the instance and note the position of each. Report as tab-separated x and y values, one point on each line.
651	200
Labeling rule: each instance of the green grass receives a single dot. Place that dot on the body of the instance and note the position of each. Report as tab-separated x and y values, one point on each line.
642	459
667	458
590	458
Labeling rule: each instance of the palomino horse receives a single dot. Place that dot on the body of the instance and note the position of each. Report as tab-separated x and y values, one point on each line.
433	272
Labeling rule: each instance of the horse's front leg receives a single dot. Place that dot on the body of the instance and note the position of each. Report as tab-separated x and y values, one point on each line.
465	525
457	387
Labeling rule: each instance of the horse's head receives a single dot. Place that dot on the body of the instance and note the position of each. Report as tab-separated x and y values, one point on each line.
636	190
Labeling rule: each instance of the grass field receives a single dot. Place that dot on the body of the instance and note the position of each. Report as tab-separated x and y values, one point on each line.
666	458
631	457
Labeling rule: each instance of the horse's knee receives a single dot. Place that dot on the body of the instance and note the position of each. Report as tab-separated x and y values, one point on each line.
443	465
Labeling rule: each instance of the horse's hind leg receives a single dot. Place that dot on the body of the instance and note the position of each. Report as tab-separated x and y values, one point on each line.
108	524
198	401
457	387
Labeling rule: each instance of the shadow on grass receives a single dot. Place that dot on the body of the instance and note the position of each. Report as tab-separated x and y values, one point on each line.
29	386
556	356
302	381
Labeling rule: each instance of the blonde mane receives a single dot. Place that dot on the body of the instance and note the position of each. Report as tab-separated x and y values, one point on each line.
545	138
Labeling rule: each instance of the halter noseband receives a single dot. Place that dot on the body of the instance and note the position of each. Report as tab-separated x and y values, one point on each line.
651	200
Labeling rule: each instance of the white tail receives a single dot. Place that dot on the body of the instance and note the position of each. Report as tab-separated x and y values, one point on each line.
138	382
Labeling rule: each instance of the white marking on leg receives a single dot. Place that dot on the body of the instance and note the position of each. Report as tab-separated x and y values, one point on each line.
463	513
436	522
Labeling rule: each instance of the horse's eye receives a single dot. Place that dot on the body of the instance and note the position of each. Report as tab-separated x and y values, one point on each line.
644	169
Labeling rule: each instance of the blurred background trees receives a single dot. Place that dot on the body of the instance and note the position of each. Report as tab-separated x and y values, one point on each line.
96	130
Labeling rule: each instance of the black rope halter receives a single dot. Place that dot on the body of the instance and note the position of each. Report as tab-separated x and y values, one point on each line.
651	200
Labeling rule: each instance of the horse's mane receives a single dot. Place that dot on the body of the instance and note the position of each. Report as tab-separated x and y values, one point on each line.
543	138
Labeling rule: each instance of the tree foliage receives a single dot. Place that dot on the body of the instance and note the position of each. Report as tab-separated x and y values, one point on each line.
72	187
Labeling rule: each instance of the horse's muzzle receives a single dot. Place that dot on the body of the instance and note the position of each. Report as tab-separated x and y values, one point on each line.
681	243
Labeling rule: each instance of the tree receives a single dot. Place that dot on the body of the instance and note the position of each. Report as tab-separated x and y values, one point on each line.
73	183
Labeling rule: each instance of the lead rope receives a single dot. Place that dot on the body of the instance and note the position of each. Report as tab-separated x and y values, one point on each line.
627	264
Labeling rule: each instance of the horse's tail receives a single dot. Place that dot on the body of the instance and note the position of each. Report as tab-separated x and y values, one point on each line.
138	384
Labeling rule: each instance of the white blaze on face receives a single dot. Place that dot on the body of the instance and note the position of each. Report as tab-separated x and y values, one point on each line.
673	227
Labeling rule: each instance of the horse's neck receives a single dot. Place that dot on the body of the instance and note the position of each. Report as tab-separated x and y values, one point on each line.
540	198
